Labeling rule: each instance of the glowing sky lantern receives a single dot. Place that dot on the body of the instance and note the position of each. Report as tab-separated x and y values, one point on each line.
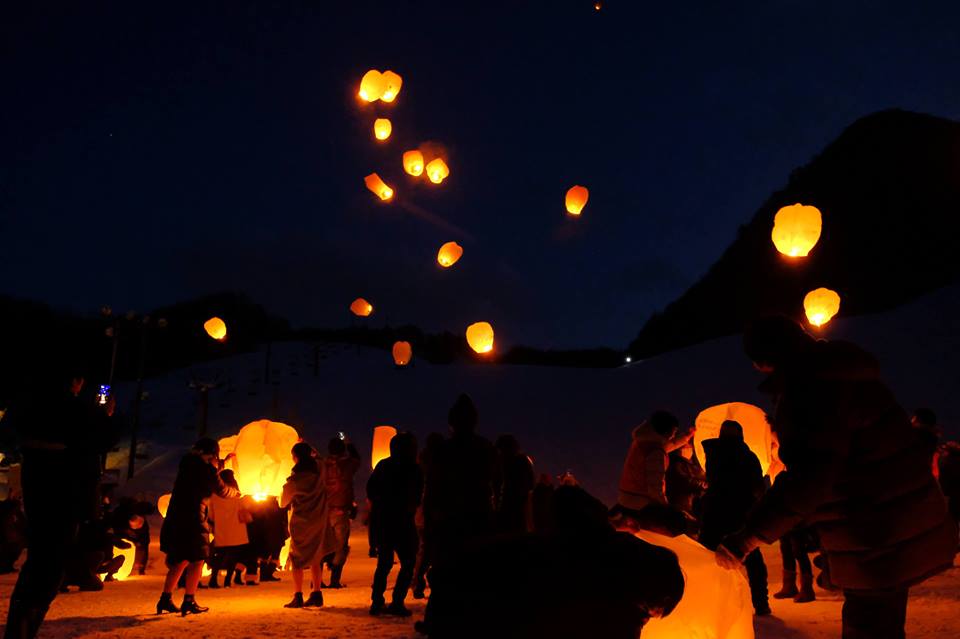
216	328
126	568
480	337
576	199
381	444
716	601
796	229
361	307
372	86
262	459
756	430
163	503
821	305
378	187
449	254
413	163
391	86
402	353
382	128
437	170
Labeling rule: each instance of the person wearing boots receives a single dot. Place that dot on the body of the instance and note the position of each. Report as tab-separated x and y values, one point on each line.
793	552
229	519
185	535
395	490
734	484
340	466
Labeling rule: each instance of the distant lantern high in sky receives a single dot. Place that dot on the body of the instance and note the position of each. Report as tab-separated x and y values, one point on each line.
796	229
821	305
413	163
379	86
361	307
576	199
382	128
437	170
216	328
378	187
480	337
449	254
391	86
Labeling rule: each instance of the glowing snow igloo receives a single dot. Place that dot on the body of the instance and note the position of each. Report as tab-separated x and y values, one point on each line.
716	602
263	461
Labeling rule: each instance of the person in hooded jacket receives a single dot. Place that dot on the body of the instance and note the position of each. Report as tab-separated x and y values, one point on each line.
856	471
734	484
185	534
685	480
311	537
395	489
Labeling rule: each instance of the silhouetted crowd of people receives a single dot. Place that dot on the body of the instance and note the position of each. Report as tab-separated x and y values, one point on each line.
873	493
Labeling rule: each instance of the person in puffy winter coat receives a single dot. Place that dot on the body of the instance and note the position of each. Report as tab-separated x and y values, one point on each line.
856	472
229	517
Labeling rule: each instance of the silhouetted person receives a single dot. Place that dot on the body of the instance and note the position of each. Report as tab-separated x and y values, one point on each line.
340	466
948	462
13	534
642	495
856	470
395	489
685	480
458	502
63	436
629	581
794	549
425	553
925	421
185	534
311	538
516	480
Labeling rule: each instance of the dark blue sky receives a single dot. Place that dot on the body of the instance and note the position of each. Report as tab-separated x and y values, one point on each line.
155	151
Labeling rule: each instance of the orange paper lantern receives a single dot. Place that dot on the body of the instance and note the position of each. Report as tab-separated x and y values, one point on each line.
391	86
163	504
262	459
381	444
449	254
378	187
382	128
756	430
361	307
480	337
796	229
216	328
402	353
413	163
576	199
372	86
821	305
437	170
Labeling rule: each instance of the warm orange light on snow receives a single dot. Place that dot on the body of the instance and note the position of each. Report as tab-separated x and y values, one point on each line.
413	163
216	328
361	307
402	353
756	430
378	187
437	170
381	444
480	337
821	305
449	254
576	199
382	128
796	229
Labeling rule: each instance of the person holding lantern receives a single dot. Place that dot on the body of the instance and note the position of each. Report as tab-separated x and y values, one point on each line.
311	538
855	470
185	535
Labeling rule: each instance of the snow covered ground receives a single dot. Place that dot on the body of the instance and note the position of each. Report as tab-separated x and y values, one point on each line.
124	610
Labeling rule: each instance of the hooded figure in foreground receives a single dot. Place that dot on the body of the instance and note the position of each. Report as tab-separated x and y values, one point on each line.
856	471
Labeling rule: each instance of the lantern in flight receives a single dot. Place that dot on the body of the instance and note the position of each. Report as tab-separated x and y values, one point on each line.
796	229
413	163
402	353
378	187
437	170
480	337
391	86
449	254
381	444
216	328
372	86
576	199
821	305
262	460
382	128
163	503
756	430
361	307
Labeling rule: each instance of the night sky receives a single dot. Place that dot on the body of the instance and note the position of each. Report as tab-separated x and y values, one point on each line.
156	151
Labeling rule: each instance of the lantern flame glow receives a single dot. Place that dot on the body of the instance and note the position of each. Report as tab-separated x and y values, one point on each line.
402	353
413	163
757	433
821	305
361	307
391	86
576	199
796	229
437	170
372	86
480	337
262	460
382	128
378	187
449	254
216	328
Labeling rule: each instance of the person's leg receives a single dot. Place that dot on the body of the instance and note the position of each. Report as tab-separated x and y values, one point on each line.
423	565
874	614
806	593
193	573
407	554
789	588
757	575
316	574
384	564
297	601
